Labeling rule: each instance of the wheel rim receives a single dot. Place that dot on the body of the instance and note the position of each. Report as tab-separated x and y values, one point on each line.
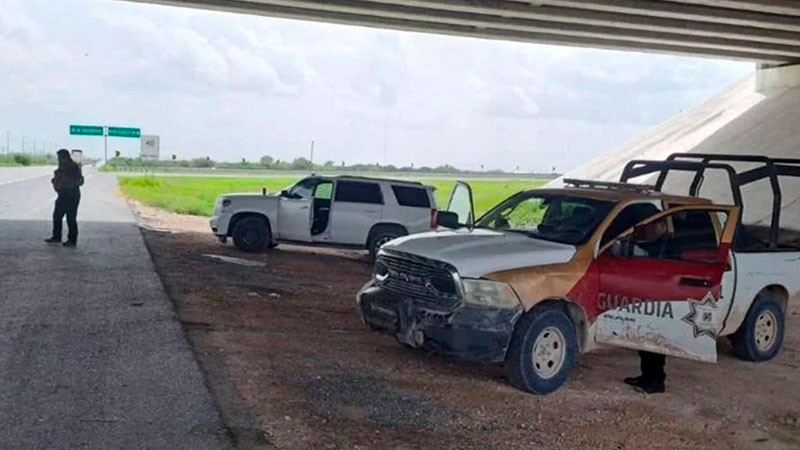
382	240
549	352
250	237
766	330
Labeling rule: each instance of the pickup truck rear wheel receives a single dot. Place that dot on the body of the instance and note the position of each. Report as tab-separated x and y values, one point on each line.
542	352
760	336
252	234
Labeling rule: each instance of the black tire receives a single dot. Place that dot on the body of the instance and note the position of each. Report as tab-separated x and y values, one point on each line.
519	364
382	235
751	345
252	234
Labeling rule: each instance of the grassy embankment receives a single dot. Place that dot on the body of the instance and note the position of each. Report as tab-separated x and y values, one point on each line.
196	195
22	159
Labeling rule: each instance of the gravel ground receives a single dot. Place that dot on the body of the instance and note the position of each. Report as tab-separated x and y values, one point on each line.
292	366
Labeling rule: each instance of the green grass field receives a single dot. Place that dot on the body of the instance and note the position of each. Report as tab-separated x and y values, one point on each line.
196	195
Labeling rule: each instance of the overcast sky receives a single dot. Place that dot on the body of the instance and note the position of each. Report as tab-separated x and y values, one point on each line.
231	86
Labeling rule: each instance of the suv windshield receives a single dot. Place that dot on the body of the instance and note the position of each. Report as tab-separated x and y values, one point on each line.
559	218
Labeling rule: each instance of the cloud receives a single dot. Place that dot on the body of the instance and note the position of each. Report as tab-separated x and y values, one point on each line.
231	86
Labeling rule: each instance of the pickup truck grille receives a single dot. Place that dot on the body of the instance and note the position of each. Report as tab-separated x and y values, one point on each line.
431	283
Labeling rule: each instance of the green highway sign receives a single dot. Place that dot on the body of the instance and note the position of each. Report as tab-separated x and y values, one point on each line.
86	130
124	132
96	130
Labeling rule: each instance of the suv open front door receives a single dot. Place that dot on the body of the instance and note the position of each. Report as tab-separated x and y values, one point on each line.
660	285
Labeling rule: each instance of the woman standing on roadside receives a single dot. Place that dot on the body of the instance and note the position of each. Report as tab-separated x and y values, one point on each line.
67	180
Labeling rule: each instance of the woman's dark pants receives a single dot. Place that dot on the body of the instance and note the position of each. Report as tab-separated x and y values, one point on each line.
67	205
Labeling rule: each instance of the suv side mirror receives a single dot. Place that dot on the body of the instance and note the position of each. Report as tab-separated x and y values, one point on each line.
447	219
287	194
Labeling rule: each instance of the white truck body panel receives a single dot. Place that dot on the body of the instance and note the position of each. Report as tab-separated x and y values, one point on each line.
350	222
756	271
294	220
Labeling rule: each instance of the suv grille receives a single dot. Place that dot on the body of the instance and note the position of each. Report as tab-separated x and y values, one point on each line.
429	282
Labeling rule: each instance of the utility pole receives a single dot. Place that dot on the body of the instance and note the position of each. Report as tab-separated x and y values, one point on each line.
312	153
385	133
23	144
105	145
8	142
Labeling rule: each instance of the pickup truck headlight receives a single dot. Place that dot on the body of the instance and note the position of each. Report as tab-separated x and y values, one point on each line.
489	293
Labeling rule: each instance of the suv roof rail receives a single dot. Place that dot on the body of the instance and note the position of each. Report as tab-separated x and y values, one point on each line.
593	184
368	178
698	163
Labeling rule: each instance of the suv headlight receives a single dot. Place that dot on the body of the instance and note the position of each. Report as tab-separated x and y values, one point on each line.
489	293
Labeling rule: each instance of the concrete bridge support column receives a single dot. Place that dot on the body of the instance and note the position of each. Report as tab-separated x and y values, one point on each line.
772	78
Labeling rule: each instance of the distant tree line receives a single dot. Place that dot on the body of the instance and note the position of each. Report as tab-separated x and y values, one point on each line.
270	163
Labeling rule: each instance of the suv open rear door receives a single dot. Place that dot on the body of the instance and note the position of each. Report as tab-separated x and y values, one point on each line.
461	204
660	285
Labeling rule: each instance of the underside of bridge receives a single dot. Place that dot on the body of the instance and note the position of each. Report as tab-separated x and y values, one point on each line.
764	31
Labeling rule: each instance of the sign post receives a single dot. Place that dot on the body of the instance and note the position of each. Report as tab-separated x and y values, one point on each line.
105	131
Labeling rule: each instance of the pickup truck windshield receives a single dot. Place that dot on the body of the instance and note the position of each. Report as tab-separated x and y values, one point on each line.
558	218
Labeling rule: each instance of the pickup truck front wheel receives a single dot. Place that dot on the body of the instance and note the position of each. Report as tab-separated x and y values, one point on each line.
252	234
760	336
542	352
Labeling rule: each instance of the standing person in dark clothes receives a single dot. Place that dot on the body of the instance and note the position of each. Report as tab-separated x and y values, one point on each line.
652	242
652	379
67	180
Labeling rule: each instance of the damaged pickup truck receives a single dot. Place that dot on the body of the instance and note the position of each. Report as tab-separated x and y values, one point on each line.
551	273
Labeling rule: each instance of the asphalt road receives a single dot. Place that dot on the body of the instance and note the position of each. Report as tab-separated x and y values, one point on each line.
91	353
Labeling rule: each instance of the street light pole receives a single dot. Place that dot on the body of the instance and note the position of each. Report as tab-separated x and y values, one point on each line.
105	145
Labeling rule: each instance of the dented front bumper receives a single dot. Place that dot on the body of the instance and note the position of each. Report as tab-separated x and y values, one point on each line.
467	332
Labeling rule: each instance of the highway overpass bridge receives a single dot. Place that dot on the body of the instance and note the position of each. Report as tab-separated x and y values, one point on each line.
763	31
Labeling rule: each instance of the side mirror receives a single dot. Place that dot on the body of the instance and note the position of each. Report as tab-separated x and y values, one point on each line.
447	219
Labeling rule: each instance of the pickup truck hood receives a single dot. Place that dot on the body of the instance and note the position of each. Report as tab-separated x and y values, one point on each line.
478	252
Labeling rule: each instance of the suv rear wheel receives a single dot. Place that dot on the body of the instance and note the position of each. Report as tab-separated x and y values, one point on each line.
252	234
381	235
542	352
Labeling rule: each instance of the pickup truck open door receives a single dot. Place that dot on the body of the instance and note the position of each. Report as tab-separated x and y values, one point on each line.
661	283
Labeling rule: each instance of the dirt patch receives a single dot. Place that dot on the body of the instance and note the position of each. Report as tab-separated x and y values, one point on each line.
293	367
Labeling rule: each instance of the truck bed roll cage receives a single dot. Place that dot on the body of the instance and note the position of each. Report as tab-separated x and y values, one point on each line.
770	168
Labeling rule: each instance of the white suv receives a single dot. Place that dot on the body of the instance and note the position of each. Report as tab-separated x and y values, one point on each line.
341	211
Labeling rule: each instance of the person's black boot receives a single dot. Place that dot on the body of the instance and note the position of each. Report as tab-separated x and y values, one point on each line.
651	387
70	244
53	240
634	381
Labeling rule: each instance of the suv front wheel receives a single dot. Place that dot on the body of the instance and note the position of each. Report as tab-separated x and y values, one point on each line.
252	234
543	350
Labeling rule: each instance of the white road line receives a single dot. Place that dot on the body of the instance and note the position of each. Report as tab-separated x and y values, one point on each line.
19	180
